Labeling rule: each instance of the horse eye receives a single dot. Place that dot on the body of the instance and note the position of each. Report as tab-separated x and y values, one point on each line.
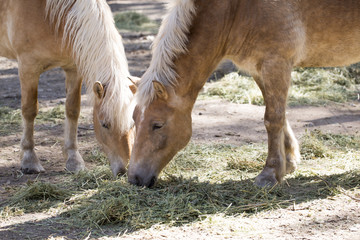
157	126
105	125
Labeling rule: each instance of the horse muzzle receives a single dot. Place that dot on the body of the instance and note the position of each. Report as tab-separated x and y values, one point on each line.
142	178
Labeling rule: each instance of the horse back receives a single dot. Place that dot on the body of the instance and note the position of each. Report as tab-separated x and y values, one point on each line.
332	32
306	32
25	31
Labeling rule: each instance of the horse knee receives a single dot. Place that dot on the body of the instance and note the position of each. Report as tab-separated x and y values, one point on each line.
73	100
72	113
274	125
29	111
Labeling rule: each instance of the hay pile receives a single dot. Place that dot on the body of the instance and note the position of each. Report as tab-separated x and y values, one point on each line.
201	181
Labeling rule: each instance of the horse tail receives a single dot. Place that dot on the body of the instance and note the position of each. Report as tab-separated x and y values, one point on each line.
88	30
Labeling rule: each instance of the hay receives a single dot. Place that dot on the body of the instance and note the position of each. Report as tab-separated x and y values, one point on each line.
97	156
54	115
8	212
10	120
37	196
234	88
40	191
310	86
89	179
135	22
174	201
199	183
250	158
316	144
312	146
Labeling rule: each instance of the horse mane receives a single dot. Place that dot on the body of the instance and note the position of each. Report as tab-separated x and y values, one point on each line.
90	33
169	43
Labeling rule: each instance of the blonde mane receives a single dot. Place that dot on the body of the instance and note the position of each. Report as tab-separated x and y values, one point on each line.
170	42
89	31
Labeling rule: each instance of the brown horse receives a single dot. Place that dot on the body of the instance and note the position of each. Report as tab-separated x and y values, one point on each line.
266	38
81	38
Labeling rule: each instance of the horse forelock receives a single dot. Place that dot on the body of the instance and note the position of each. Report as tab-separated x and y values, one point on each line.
90	33
170	42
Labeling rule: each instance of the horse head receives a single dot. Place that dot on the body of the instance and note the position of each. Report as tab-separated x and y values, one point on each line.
116	144
162	129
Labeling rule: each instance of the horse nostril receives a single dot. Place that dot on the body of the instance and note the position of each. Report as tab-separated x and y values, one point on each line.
152	181
135	180
138	181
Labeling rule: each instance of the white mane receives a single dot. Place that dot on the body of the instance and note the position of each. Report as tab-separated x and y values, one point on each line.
169	43
89	31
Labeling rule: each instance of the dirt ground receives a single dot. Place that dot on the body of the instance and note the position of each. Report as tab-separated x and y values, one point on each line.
213	121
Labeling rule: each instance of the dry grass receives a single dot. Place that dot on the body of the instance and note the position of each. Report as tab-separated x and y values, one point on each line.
317	144
202	181
135	22
234	88
310	86
8	212
53	115
10	119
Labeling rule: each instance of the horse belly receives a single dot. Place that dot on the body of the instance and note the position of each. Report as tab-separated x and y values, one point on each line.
332	33
342	52
5	45
5	50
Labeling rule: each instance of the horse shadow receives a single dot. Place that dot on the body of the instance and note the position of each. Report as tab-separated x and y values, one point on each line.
184	201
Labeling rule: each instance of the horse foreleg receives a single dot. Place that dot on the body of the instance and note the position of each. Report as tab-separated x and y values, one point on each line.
275	81
73	81
29	80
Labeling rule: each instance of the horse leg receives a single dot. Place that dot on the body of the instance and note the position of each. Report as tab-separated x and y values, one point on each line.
73	81
292	151
29	79
291	145
275	76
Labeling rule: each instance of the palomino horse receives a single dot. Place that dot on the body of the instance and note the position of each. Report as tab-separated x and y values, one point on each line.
80	37
266	39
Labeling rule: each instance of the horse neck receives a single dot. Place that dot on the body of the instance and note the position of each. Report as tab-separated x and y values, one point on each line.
89	32
206	47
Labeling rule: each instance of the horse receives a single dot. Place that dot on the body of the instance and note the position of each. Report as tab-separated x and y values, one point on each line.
266	39
80	37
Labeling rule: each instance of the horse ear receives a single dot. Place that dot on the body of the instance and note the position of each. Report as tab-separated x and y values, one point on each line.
134	80
135	83
160	90
133	88
98	89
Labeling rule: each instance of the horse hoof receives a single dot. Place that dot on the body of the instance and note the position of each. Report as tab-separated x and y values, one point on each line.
266	178
75	162
32	170
75	167
30	164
